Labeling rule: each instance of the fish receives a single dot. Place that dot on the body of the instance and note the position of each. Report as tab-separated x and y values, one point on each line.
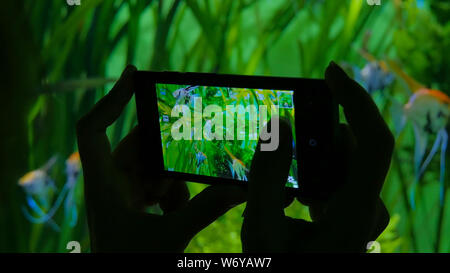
237	167
375	78
38	186
73	169
73	165
38	182
66	195
429	111
39	211
183	95
200	157
375	75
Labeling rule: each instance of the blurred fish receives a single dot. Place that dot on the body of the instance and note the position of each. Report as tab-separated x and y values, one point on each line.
38	182
183	95
73	167
429	112
200	157
375	75
237	167
38	187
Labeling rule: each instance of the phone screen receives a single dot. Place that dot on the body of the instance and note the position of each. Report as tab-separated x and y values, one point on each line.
214	131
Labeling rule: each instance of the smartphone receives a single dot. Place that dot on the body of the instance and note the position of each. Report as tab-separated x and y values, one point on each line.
204	127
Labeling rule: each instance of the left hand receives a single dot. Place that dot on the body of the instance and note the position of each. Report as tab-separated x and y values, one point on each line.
118	186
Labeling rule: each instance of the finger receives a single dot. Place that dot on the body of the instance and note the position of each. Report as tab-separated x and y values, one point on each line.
109	108
375	142
381	220
126	159
93	144
268	175
206	207
344	150
350	212
126	154
91	129
360	110
346	146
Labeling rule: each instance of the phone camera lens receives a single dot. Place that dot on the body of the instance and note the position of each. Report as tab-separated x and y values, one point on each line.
312	142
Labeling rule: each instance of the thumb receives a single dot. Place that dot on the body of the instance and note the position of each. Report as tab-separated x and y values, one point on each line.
268	175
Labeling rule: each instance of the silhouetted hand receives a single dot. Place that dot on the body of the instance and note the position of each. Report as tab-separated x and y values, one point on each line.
355	214
118	186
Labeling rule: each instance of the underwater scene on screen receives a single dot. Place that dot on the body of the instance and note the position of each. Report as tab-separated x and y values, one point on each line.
214	131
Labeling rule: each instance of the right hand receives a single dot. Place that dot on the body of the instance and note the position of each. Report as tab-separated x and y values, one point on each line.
355	214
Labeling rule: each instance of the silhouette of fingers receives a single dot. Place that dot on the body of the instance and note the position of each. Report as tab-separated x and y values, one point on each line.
268	175
93	143
375	142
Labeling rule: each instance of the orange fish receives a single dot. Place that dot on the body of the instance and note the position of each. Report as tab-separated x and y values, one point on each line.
73	165
66	195
38	185
73	168
38	182
237	167
429	111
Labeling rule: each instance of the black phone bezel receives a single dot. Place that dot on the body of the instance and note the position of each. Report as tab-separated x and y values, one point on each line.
316	117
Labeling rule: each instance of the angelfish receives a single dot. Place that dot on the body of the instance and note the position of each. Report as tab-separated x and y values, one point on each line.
38	185
183	95
66	194
237	167
38	182
200	158
429	112
375	75
73	169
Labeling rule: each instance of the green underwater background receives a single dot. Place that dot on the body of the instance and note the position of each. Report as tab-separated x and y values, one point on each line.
60	59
